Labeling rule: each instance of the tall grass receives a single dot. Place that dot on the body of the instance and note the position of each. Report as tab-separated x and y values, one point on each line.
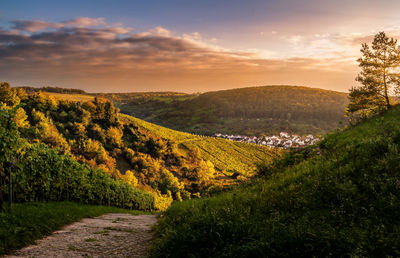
341	198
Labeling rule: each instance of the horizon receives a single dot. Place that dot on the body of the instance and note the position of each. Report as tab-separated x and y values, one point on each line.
188	47
180	92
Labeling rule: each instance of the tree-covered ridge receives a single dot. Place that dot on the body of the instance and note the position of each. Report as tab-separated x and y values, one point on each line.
30	89
94	133
249	111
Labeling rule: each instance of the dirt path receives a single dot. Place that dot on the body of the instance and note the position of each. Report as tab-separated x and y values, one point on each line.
110	235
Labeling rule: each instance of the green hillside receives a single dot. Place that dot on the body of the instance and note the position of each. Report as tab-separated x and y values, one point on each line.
338	199
249	111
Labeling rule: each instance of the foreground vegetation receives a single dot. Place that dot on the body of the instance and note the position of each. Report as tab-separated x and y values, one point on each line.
25	223
35	172
340	198
249	111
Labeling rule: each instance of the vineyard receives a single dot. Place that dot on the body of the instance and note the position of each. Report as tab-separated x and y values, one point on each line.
228	156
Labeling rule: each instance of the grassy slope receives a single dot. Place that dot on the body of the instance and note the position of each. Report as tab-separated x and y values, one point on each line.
226	155
342	200
30	221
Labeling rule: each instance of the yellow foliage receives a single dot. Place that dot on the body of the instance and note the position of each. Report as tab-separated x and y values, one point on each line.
93	149
205	171
48	132
162	201
20	118
114	135
130	178
130	154
170	182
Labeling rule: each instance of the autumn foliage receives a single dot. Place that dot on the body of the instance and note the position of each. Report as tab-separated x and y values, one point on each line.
92	136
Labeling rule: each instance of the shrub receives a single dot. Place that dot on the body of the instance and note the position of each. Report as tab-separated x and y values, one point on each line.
44	175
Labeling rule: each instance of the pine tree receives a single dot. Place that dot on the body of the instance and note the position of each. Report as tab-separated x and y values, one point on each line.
379	77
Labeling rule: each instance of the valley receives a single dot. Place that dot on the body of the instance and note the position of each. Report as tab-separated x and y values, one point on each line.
197	129
224	183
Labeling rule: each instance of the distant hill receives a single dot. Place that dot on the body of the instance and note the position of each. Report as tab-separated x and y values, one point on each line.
257	111
249	111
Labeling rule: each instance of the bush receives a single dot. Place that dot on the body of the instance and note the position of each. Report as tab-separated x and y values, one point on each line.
44	175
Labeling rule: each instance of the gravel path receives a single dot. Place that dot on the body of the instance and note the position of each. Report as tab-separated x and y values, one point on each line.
110	235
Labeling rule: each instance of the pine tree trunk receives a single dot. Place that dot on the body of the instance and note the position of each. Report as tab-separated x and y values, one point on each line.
386	92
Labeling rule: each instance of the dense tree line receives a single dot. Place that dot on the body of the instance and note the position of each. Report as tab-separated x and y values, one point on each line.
30	89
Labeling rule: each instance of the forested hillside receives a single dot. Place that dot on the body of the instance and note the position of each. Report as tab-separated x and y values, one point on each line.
249	111
340	198
90	135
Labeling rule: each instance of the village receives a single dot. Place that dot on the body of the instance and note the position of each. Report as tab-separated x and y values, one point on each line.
284	140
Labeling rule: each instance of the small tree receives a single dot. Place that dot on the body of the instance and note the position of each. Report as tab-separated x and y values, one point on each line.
8	96
9	142
379	74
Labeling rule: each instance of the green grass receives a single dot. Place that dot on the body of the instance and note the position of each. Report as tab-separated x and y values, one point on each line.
226	155
339	199
28	222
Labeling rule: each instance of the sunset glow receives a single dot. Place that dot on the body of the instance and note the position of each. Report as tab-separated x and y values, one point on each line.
188	47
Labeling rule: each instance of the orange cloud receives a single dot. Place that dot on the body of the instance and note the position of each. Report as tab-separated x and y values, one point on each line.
91	54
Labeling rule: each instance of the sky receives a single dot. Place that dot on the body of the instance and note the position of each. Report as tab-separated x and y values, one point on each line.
187	45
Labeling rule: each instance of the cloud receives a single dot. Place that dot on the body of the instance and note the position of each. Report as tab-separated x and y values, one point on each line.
92	54
76	42
84	22
34	26
160	31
